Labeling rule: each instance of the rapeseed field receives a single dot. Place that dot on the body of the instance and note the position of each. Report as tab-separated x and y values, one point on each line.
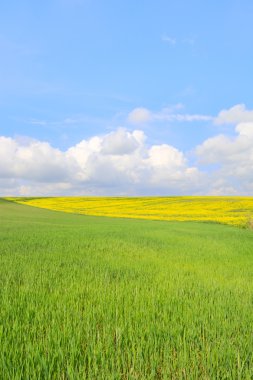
237	211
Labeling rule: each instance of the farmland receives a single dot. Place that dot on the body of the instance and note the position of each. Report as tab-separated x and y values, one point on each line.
236	211
91	297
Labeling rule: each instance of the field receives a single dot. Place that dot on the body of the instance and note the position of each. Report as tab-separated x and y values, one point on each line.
89	297
236	211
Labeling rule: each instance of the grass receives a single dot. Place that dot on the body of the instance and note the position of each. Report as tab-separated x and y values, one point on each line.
87	297
236	211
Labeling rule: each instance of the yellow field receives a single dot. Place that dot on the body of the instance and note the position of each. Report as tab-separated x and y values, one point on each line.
227	210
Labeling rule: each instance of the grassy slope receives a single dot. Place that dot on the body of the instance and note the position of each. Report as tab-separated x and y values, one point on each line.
103	298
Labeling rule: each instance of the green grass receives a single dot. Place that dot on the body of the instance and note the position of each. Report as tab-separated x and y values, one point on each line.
101	298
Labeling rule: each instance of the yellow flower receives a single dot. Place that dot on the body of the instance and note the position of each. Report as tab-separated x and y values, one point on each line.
227	210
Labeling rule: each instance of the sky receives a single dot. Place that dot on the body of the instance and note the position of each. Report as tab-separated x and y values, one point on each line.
126	98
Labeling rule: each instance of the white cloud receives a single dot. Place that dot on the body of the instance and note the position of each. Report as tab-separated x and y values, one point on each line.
121	142
66	122
167	164
232	158
166	156
234	115
169	40
221	148
117	163
189	117
35	160
122	163
245	129
143	115
140	115
38	122
173	41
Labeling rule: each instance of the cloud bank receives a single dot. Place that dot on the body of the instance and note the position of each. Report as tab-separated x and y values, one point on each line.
116	163
123	163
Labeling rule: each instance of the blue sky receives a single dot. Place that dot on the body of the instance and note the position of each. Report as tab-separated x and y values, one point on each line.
73	70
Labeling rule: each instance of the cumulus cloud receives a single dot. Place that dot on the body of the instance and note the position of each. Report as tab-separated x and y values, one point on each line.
140	115
232	158
221	148
35	160
117	163
122	142
234	115
123	163
166	162
143	115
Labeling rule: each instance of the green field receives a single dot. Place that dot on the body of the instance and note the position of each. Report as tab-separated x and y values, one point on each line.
87	297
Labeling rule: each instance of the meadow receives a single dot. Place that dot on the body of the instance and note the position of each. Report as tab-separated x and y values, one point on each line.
89	297
236	211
